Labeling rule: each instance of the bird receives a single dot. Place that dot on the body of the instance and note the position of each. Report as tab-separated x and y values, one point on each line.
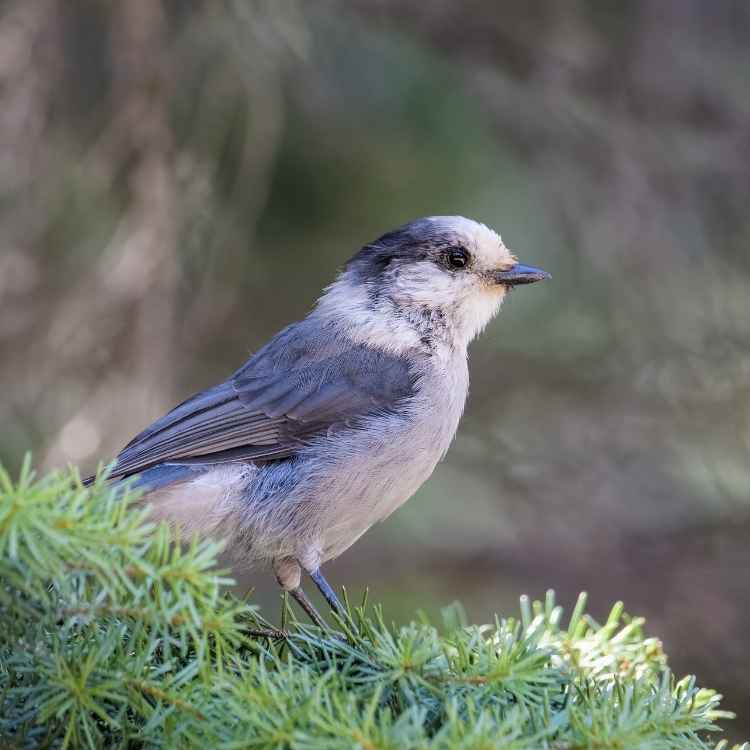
339	419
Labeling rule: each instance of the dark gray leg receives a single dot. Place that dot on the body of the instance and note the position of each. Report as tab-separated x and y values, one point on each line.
329	594
301	598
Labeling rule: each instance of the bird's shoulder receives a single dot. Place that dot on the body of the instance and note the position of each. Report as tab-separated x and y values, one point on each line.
307	358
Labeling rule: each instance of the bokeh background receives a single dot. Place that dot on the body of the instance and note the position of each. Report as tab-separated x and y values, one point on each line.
178	180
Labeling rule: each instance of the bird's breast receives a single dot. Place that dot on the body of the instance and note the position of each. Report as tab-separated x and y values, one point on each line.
384	464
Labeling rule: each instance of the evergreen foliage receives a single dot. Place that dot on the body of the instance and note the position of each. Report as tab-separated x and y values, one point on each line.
113	636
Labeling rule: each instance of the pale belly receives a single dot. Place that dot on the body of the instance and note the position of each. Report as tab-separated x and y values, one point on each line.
378	476
374	486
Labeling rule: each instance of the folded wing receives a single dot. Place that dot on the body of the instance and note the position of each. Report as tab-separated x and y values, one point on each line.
291	392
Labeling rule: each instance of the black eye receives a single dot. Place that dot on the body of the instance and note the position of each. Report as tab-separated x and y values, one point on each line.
458	257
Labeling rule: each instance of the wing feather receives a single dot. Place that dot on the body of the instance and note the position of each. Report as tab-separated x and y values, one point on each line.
274	404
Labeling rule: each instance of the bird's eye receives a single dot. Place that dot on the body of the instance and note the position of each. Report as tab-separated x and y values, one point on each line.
458	257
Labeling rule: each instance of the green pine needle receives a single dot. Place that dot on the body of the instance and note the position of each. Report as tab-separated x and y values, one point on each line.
113	635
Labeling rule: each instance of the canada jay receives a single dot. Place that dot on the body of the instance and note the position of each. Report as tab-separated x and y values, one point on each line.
339	419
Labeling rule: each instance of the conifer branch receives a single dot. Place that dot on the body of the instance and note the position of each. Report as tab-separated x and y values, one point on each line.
113	634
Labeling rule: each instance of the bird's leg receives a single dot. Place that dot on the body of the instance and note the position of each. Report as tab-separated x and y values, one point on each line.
325	588
301	598
289	574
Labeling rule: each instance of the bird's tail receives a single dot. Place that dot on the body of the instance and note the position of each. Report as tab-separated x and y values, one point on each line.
154	478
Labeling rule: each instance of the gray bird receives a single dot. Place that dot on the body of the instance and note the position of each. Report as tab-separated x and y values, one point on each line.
340	418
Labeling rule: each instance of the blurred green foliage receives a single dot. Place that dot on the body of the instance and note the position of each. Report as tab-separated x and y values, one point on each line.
180	179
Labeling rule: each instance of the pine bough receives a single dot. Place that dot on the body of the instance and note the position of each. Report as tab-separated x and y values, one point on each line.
114	636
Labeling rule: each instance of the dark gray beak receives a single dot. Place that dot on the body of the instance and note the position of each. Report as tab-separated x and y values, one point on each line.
520	274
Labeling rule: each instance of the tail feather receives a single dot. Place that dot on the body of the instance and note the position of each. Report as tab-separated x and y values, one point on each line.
156	477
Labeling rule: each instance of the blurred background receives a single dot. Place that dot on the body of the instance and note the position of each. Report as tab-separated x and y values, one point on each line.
178	180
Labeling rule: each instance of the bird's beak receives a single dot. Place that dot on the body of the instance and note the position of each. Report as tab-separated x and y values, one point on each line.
520	274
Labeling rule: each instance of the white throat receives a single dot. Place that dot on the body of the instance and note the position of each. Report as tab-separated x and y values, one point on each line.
380	322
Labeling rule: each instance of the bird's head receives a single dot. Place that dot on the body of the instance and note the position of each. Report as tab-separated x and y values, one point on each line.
443	276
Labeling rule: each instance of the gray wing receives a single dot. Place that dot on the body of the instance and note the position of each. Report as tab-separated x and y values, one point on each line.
295	389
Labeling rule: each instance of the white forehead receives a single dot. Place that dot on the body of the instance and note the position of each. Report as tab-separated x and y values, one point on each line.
484	243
